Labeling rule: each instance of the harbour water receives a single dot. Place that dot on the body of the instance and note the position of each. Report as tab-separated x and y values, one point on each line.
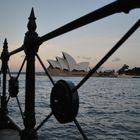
109	109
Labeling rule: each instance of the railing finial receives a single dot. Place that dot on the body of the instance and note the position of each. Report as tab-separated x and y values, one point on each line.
32	24
5	44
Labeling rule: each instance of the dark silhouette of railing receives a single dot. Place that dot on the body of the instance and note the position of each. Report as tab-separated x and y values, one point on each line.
65	110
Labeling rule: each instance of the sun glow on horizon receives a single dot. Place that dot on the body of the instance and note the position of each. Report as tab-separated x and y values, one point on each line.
89	43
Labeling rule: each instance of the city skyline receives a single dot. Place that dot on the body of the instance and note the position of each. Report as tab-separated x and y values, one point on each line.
89	43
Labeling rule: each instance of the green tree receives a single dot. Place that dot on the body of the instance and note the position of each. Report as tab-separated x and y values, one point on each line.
123	69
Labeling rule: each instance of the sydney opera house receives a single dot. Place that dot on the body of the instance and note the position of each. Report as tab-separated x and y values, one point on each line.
67	65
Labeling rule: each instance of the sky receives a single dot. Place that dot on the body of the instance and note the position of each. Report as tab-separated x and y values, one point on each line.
89	43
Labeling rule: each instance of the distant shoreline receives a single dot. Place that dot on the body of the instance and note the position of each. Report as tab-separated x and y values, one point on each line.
82	75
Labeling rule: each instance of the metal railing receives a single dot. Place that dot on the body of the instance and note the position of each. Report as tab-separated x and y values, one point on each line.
65	90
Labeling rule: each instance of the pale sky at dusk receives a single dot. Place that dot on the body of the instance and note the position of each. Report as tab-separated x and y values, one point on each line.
88	43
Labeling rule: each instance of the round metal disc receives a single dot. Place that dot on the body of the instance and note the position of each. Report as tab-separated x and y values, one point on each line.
64	102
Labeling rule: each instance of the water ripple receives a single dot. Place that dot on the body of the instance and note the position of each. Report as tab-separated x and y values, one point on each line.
109	109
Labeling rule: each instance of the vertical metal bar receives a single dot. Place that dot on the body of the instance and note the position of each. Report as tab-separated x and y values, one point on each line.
5	58
30	48
3	109
3	98
30	94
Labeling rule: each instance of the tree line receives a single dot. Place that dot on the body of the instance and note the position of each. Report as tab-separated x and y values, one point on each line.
125	70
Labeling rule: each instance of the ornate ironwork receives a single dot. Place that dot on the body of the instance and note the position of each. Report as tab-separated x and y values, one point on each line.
63	92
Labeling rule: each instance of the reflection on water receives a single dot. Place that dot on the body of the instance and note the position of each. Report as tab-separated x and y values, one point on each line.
109	109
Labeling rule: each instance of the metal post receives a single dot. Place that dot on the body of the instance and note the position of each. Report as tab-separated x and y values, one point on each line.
3	109
5	58
30	48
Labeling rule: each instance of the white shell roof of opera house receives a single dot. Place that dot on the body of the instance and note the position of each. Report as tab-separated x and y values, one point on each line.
67	62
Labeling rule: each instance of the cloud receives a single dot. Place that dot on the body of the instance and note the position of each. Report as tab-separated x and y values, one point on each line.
116	59
84	57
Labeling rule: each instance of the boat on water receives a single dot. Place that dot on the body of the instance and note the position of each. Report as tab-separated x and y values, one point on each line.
64	98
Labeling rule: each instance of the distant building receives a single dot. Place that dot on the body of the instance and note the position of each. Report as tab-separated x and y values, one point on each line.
68	63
